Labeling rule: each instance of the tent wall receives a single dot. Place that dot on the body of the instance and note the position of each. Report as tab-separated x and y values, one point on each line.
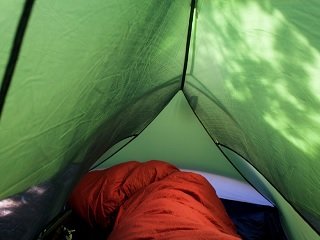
88	75
82	66
254	73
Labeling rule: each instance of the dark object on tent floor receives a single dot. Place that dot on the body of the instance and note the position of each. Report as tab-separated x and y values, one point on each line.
71	226
255	222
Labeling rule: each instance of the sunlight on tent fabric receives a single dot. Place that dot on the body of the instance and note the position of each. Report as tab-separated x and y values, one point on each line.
304	137
314	84
310	141
255	70
257	34
7	206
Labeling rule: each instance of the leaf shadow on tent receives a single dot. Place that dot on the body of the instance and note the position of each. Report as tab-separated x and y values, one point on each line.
263	70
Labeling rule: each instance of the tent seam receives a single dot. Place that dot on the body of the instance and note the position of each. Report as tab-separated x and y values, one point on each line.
185	64
15	51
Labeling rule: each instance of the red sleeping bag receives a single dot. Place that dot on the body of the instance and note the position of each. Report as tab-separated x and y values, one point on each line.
151	200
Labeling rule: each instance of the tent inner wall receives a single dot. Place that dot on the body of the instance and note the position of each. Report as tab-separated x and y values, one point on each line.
253	80
89	75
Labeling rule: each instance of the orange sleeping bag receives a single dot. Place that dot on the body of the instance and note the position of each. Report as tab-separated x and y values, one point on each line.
151	200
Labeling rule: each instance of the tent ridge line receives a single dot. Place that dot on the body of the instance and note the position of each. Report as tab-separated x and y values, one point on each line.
185	64
15	51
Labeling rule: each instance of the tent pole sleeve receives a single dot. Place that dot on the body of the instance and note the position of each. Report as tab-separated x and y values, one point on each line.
185	65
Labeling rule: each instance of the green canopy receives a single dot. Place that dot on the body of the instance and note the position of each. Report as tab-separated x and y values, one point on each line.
81	78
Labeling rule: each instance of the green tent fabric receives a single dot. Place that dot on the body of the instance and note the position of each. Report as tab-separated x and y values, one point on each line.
90	76
266	90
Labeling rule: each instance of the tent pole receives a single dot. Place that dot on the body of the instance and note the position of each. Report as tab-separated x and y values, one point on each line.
15	50
185	65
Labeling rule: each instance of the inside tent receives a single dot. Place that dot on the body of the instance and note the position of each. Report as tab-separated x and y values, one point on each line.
229	89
